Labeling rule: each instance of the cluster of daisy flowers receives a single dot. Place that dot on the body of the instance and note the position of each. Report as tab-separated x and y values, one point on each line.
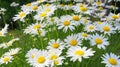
7	56
79	22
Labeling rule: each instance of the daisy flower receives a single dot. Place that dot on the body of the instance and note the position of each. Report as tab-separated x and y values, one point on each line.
85	20
6	59
4	30
77	53
114	16
84	35
65	23
72	40
36	29
111	60
55	58
76	19
81	8
117	26
106	28
55	44
44	11
31	55
90	28
8	44
52	20
21	16
14	4
41	59
12	52
99	40
98	3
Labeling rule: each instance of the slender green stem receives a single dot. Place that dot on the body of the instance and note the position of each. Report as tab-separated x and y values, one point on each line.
3	17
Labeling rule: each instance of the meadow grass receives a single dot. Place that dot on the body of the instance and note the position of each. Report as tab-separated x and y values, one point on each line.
27	42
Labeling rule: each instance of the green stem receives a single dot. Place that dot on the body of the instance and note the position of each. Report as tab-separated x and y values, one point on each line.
3	17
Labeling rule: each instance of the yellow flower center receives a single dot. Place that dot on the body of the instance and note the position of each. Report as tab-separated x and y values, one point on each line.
8	44
29	4
53	57
22	14
91	27
47	4
84	35
35	7
79	52
37	26
85	20
44	14
56	62
48	10
55	45
98	41
98	3
66	22
69	5
40	1
41	59
106	28
100	8
83	8
73	42
99	22
76	18
62	5
0	33
112	61
115	16
6	59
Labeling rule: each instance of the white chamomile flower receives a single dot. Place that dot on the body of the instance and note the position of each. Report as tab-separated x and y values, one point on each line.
107	28
6	59
84	35
85	20
111	60
44	11
72	40
12	52
55	58
31	54
76	19
4	30
14	4
81	8
77	53
52	20
99	40
8	44
117	26
36	29
98	3
55	44
21	16
27	7
114	16
40	1
65	23
2	11
90	28
41	59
